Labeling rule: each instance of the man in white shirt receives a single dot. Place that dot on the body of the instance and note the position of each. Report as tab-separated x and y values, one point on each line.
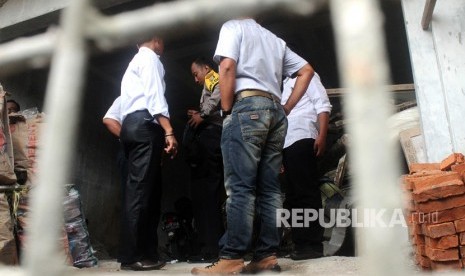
145	131
252	62
305	142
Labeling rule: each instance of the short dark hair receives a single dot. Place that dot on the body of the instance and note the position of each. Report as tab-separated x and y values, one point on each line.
202	61
15	102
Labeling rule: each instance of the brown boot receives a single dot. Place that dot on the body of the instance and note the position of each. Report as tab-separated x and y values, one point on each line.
223	266
266	264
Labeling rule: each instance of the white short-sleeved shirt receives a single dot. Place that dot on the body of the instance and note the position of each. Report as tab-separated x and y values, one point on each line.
303	119
249	44
143	85
114	112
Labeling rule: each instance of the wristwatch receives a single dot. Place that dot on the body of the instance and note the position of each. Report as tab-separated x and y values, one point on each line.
224	113
203	115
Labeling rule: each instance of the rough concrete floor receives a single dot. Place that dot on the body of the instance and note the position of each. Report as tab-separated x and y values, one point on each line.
322	266
327	266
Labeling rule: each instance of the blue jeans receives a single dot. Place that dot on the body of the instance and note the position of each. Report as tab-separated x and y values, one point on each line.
252	143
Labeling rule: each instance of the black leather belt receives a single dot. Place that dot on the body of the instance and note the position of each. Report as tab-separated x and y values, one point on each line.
253	93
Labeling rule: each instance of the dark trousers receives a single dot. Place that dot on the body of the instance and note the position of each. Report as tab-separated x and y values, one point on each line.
143	143
300	165
207	190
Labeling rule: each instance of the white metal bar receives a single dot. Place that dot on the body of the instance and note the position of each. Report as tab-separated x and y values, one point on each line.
168	19
62	106
25	53
364	70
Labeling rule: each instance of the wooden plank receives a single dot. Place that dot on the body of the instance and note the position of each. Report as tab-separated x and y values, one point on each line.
427	14
395	88
428	84
449	35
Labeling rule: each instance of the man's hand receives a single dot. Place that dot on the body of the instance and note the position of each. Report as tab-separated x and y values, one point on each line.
171	145
195	120
319	146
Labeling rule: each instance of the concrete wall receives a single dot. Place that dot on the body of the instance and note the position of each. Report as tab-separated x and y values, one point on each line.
438	63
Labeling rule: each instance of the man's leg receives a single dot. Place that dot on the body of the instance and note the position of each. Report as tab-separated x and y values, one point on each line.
269	197
304	193
137	137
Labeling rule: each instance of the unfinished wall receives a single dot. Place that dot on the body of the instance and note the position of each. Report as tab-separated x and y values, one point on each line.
438	64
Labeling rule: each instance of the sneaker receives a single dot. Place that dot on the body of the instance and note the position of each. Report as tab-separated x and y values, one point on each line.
268	264
222	266
305	254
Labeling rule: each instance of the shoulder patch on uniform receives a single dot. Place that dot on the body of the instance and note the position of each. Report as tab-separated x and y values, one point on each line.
211	80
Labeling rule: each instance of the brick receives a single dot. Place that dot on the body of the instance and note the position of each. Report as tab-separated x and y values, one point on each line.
439	190
438	230
460	168
454	158
462	238
459	225
445	242
421	183
420	250
423	261
441	204
442	254
404	184
418	240
407	180
417	167
449	215
444	266
417	230
462	252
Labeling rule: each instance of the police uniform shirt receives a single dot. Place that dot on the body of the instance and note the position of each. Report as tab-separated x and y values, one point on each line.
302	121
210	99
114	112
249	44
143	86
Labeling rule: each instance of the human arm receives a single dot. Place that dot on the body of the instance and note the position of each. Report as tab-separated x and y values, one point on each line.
113	126
304	76
320	141
171	144
227	82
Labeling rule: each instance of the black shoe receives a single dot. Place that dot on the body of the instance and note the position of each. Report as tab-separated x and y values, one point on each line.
305	254
143	265
202	258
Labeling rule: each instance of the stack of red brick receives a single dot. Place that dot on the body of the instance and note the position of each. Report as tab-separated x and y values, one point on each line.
435	212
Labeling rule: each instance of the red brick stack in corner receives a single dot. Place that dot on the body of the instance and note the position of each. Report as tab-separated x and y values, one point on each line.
435	212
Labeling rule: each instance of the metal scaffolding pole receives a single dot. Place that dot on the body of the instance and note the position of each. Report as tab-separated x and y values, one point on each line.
79	24
62	106
364	70
170	19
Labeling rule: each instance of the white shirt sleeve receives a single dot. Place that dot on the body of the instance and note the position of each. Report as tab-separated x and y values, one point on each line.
229	42
292	62
317	93
114	112
152	75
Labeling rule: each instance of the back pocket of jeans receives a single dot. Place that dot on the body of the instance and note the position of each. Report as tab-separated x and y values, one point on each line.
255	126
